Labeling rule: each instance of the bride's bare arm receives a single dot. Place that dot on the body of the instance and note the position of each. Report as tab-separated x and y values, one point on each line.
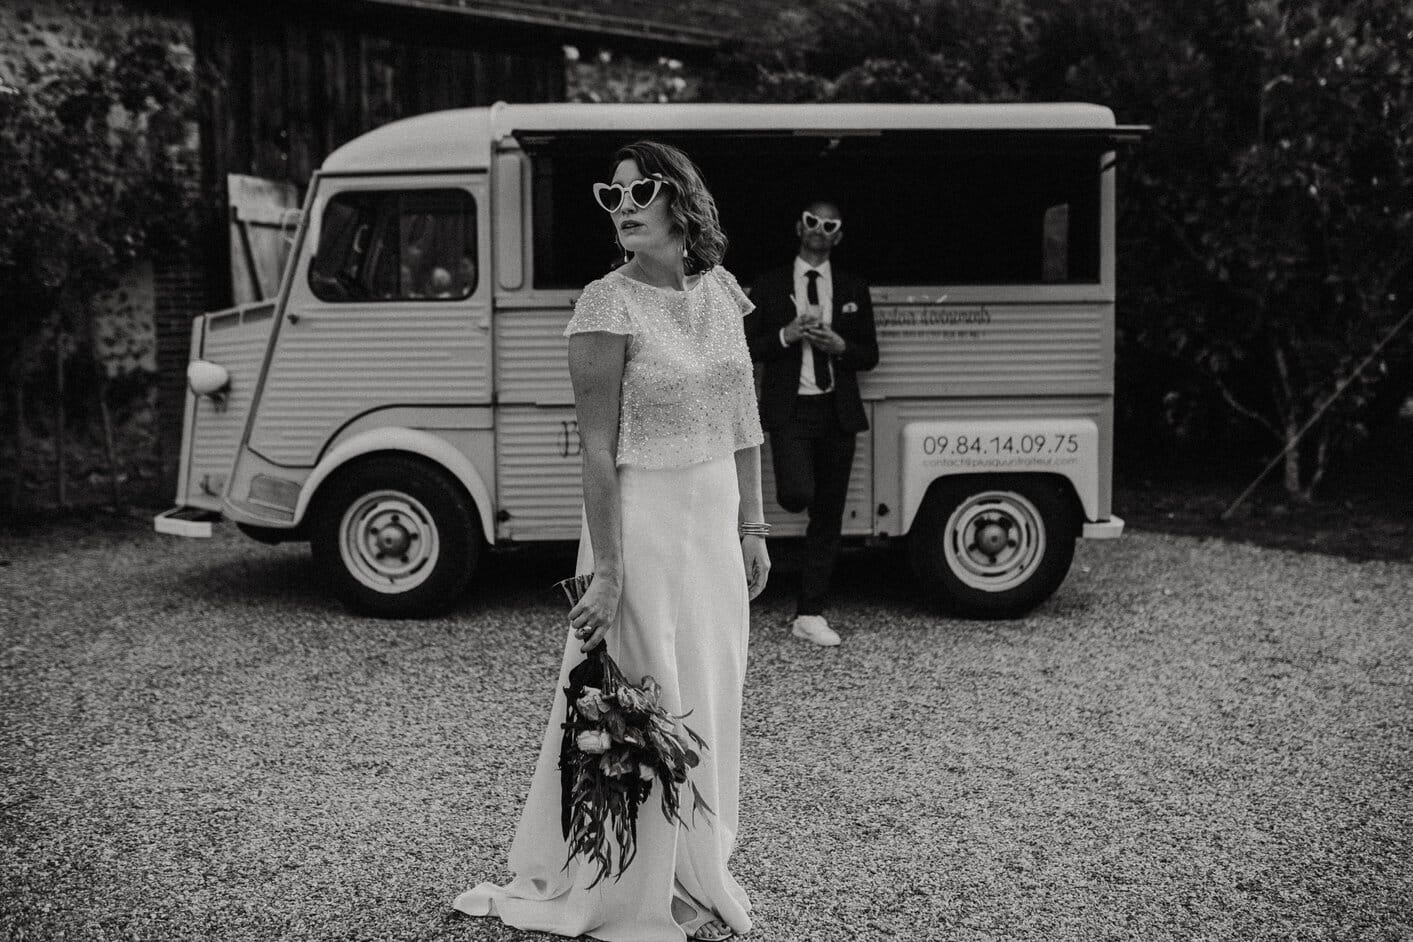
748	482
596	371
753	551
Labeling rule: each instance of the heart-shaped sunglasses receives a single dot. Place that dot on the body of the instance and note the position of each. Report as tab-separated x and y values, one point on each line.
811	221
830	226
610	196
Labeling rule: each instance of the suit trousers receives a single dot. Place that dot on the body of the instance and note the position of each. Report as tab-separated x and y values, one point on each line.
812	457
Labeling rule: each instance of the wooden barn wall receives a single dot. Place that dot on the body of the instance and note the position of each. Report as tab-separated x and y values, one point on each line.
292	83
282	85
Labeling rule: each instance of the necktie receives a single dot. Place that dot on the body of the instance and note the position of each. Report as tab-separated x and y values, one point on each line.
823	373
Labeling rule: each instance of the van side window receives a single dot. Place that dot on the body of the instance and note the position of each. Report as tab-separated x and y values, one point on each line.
411	245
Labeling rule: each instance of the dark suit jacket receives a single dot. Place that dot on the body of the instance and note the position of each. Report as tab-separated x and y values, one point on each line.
781	382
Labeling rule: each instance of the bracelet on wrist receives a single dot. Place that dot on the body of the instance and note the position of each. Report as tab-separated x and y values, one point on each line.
753	528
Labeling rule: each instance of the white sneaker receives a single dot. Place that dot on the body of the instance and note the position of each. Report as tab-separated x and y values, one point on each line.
814	628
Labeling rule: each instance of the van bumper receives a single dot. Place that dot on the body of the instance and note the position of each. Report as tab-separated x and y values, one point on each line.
186	521
1110	529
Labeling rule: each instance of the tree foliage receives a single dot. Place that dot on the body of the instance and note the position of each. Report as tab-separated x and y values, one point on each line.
1266	228
98	173
1277	218
97	170
606	77
885	51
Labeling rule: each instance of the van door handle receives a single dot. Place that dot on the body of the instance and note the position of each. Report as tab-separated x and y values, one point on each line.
292	317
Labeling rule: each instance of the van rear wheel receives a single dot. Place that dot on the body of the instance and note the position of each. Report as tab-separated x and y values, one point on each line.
993	546
395	538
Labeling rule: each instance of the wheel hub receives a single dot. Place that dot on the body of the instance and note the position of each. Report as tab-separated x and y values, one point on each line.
995	540
991	537
392	539
389	541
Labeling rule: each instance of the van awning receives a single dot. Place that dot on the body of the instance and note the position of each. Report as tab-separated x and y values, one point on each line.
536	126
745	142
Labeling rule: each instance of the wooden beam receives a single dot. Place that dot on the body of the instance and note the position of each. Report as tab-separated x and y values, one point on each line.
573	23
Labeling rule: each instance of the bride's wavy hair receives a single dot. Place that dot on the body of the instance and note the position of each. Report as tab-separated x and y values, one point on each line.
692	206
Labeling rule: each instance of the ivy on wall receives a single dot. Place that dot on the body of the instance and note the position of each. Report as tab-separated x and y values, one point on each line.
97	122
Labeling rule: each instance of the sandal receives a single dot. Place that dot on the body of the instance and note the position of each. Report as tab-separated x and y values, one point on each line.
703	925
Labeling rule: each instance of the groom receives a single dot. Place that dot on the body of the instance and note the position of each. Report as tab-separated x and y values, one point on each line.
813	330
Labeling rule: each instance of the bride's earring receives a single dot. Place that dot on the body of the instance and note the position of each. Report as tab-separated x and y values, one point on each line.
623	250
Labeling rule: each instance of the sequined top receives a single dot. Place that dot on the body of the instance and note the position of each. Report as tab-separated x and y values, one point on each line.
688	390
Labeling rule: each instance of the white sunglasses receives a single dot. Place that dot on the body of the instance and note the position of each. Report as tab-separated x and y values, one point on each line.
610	196
811	221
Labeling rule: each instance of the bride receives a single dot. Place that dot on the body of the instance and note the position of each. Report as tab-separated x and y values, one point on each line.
674	535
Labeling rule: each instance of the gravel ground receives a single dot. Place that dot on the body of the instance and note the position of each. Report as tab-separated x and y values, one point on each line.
1192	740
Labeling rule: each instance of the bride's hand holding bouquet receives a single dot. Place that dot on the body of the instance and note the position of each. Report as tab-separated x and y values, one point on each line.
594	612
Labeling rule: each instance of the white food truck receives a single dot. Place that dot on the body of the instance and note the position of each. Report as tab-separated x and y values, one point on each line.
404	404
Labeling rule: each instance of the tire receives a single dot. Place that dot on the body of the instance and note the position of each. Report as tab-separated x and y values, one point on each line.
395	538
1028	521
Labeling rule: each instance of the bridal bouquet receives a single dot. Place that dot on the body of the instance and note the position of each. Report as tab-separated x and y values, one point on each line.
618	739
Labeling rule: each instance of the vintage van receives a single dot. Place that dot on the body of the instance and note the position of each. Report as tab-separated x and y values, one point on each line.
403	403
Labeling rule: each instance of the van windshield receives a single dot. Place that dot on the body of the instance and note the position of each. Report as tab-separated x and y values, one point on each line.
916	212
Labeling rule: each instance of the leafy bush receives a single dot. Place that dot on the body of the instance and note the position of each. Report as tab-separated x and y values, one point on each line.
1268	220
606	77
99	173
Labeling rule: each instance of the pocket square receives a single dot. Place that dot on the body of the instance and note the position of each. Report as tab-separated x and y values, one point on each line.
849	308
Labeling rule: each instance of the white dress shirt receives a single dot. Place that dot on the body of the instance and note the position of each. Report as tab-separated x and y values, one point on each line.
824	286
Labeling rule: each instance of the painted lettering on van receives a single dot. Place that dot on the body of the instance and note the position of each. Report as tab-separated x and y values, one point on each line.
931	316
932	322
570	445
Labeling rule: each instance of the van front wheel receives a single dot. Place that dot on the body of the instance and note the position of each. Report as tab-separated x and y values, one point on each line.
991	547
395	538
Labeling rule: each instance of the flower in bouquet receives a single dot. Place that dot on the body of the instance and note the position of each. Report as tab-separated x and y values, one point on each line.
593	742
591	703
618	740
633	698
616	763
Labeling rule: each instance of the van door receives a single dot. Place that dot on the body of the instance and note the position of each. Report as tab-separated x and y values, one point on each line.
389	309
262	213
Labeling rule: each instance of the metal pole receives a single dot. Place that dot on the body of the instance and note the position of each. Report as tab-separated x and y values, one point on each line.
1339	390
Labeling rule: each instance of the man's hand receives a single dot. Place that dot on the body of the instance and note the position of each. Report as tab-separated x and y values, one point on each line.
792	332
825	339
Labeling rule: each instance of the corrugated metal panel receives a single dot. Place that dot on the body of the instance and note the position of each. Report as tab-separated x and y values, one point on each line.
538	473
235	340
1013	408
532	356
952	349
858	509
338	362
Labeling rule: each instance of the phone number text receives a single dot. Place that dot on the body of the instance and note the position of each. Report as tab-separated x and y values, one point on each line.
1038	443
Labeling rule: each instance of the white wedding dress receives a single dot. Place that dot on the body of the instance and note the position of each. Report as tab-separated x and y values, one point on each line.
684	618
